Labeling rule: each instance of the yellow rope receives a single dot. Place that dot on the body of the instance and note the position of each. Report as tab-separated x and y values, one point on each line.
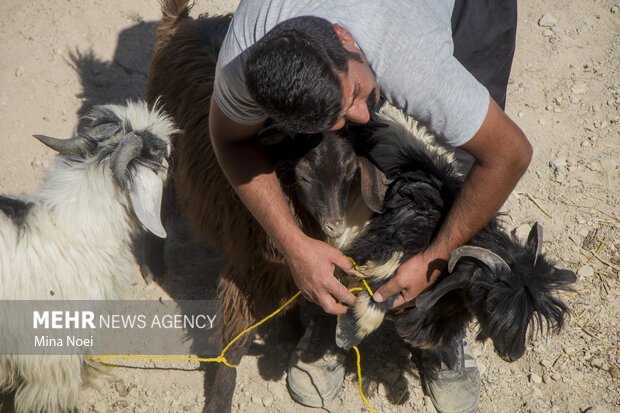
359	378
222	359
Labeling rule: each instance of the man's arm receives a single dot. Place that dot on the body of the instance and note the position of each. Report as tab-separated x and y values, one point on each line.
502	154
250	172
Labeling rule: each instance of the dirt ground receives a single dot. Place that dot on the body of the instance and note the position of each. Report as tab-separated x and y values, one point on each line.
59	57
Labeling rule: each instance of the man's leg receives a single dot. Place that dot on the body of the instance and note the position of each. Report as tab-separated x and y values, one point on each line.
484	33
316	368
450	377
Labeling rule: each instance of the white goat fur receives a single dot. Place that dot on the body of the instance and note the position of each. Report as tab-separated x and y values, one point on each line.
75	243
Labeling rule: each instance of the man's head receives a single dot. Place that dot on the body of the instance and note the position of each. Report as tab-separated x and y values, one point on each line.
308	74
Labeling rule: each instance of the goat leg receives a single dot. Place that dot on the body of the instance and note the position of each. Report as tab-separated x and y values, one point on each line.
223	387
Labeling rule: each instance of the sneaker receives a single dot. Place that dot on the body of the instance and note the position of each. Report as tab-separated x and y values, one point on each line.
316	368
456	388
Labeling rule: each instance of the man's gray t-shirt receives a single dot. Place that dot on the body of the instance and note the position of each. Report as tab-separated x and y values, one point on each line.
408	44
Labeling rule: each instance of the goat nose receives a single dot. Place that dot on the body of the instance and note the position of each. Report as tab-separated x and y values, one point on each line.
333	228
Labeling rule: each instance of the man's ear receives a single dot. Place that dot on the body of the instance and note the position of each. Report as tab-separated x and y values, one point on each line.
345	37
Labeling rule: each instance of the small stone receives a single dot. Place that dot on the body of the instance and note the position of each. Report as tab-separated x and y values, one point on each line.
535	378
556	376
521	114
579	88
542	121
585	143
614	371
614	9
557	110
382	390
593	166
574	99
547	20
267	401
558	164
546	363
188	408
558	100
256	400
19	71
599	363
547	33
36	163
121	388
585	272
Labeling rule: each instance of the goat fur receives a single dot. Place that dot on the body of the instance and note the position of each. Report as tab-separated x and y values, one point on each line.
73	241
504	301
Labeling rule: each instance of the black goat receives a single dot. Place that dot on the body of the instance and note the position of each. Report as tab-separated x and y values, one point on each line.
506	286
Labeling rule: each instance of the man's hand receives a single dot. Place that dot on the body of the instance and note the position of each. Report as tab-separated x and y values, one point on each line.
312	263
251	174
413	276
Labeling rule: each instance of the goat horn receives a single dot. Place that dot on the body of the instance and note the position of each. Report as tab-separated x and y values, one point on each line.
535	239
73	146
487	257
128	148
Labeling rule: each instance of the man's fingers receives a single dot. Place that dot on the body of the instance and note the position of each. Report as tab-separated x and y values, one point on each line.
386	291
331	306
339	291
347	265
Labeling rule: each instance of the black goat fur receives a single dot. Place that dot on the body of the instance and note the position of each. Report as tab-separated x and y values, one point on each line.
504	303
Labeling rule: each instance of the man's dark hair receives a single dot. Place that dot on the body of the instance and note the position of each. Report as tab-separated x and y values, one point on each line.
292	73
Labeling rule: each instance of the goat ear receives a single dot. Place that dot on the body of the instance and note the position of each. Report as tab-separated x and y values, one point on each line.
145	194
564	277
535	240
452	282
273	134
374	184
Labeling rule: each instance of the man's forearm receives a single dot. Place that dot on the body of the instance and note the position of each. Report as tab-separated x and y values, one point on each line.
482	195
489	183
502	155
251	174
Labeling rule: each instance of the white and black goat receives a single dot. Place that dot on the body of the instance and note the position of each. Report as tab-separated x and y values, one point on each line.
504	285
73	239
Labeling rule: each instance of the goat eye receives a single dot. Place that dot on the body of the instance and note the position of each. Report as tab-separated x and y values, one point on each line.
303	179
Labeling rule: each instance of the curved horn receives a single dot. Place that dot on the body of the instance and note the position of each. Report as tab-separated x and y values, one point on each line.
128	148
535	239
73	146
487	257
